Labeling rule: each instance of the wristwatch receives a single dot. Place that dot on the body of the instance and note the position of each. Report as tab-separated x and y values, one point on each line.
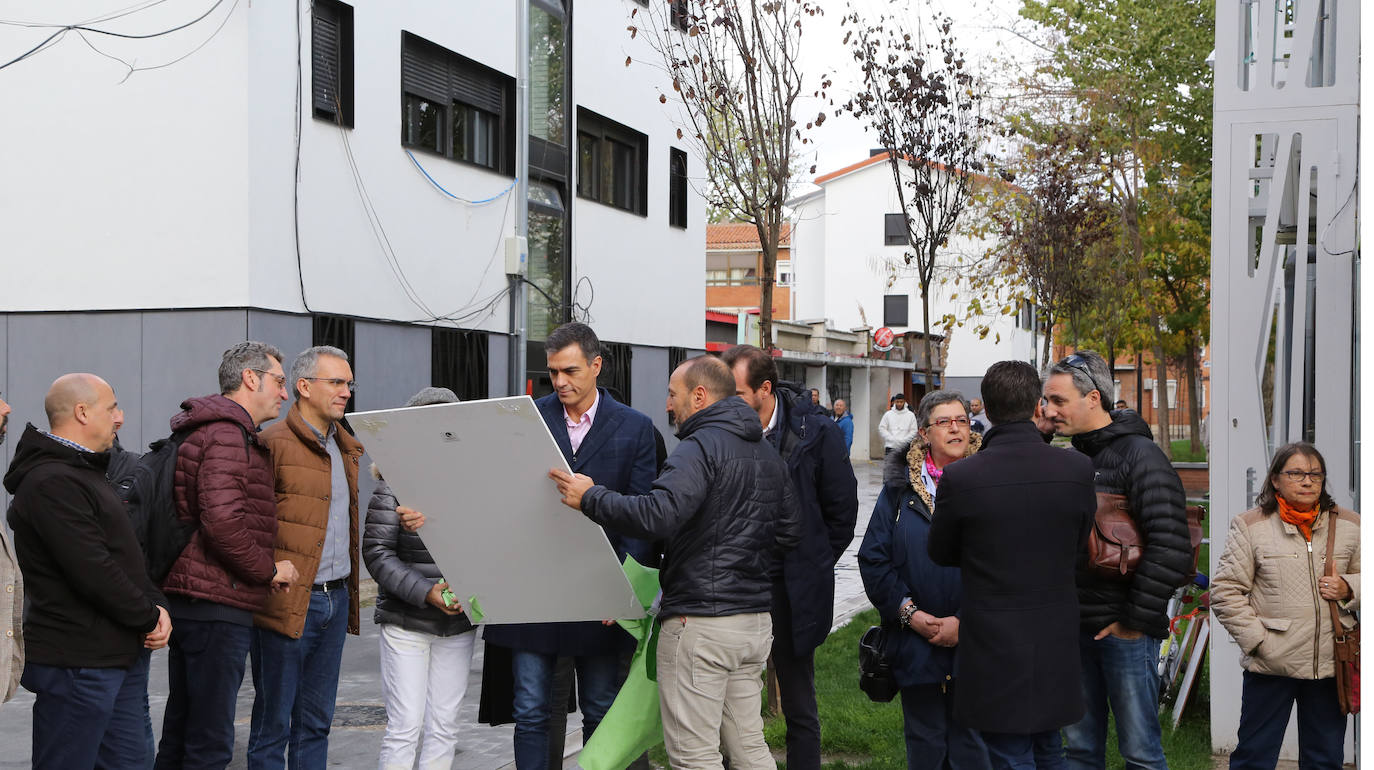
906	613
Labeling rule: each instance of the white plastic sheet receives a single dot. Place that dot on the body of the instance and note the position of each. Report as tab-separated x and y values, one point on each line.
494	522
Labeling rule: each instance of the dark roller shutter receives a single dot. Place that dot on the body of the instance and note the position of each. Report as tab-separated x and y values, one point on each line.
324	53
423	70
477	89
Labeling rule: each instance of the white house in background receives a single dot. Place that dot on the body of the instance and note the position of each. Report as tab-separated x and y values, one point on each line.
292	172
848	237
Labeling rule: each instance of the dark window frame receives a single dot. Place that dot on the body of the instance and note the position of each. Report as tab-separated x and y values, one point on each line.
328	16
891	315
894	230
616	369
455	84
459	361
678	15
336	331
677	188
603	137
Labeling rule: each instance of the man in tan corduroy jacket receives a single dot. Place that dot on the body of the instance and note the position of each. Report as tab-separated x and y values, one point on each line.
299	635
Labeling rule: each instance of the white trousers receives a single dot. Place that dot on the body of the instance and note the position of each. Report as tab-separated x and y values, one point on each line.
424	678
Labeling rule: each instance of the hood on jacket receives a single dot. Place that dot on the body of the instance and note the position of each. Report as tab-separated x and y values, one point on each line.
730	414
1125	422
35	448
796	406
196	412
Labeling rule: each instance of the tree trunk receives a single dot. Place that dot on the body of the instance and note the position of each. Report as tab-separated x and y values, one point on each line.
925	323
768	240
1162	392
1045	347
1139	383
1194	402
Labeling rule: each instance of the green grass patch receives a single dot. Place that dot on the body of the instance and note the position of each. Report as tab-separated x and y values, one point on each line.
857	734
1183	452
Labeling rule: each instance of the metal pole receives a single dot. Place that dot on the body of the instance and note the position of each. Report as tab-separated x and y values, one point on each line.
518	332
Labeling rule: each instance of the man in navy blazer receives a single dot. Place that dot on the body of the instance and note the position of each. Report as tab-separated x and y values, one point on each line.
615	445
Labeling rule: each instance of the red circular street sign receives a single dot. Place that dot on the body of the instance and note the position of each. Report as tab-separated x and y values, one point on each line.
883	338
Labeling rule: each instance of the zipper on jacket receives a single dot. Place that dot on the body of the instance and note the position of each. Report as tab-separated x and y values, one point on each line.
1317	607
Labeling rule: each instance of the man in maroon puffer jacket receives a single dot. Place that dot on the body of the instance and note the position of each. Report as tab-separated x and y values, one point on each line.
224	484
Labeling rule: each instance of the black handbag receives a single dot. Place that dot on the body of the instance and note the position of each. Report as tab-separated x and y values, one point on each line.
875	673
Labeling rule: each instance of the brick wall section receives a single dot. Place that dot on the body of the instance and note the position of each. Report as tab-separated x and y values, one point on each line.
1194	478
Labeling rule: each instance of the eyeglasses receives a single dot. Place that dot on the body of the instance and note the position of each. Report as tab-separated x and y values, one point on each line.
1080	363
280	378
337	382
1297	476
945	422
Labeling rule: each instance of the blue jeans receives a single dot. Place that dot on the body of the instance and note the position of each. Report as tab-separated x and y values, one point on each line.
1036	751
297	681
1122	674
89	717
598	682
1265	705
205	665
933	739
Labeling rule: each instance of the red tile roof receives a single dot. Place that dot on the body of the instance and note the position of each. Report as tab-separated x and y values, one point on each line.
882	157
740	235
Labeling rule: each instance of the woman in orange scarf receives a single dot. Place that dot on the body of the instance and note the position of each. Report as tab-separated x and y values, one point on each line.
1272	594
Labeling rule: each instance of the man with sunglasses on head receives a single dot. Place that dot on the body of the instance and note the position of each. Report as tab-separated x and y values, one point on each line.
298	640
1121	622
222	486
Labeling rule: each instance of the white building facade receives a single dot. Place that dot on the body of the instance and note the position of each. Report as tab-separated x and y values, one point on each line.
847	268
326	172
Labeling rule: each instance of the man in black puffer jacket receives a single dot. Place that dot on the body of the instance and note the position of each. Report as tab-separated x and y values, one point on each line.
726	508
1122	622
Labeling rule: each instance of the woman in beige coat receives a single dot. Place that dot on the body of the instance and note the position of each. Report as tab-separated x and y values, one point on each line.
1272	594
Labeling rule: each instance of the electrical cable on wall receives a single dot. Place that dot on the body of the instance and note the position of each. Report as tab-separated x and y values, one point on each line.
62	31
441	189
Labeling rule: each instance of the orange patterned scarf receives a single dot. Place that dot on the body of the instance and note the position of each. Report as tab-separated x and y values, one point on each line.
1300	519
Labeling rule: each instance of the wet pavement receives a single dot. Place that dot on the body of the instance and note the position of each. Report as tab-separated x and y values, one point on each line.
360	717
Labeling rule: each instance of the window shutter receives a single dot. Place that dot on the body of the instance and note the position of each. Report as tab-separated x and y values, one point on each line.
324	54
423	73
473	89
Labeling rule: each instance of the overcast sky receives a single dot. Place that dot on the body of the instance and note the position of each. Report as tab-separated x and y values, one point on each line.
984	28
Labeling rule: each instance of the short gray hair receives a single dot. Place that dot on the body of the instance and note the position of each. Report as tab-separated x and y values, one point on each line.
433	395
934	399
308	362
257	356
1089	372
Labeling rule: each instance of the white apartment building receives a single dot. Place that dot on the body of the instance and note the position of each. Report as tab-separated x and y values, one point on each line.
847	244
321	171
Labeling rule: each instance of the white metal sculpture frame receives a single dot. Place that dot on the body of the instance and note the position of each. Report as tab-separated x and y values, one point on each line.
1284	266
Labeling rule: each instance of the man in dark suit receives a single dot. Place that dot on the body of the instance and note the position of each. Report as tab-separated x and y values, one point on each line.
828	502
1013	517
613	444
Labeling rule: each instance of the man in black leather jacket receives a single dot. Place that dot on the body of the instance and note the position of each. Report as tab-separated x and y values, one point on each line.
1121	622
727	511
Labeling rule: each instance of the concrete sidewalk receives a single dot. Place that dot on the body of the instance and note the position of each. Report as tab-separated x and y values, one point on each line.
360	716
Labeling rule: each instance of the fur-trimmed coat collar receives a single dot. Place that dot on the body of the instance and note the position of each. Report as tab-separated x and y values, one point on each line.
903	467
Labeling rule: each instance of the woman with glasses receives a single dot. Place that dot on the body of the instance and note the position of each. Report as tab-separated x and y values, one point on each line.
918	600
1272	594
